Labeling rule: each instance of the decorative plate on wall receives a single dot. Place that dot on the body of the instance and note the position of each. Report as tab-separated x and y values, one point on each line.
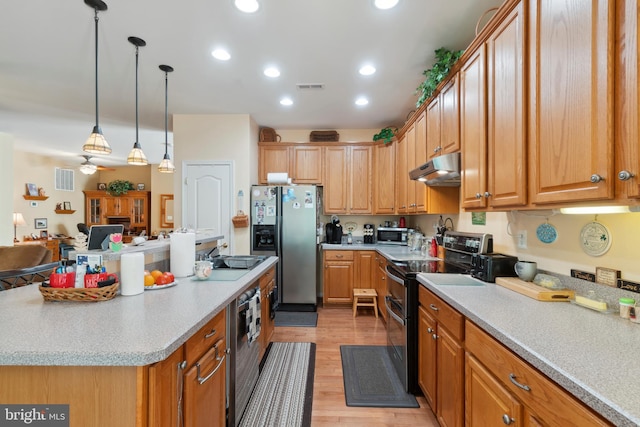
546	233
595	239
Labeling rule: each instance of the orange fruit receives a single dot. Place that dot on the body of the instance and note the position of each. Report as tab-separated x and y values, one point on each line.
149	280
156	274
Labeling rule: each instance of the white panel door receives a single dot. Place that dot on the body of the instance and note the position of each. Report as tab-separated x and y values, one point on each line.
207	198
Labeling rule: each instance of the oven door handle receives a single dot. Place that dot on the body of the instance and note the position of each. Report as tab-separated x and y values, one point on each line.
387	301
394	277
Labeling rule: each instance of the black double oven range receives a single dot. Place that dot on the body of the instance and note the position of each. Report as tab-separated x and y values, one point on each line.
402	297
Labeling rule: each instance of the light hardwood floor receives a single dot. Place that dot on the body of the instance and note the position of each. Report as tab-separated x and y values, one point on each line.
336	327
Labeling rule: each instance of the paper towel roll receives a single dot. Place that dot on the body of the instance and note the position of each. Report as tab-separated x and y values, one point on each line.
277	178
132	273
182	254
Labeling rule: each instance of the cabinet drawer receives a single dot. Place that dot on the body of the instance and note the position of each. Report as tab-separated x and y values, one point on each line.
267	277
205	338
338	255
442	312
545	398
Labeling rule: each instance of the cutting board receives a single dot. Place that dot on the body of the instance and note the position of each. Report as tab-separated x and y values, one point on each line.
534	291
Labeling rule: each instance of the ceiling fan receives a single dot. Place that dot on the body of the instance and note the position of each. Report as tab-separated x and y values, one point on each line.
89	168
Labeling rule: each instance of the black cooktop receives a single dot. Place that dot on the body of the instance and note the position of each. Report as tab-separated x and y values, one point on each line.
412	268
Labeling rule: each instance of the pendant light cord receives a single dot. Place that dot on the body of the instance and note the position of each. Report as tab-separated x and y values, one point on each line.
166	112
96	26
137	94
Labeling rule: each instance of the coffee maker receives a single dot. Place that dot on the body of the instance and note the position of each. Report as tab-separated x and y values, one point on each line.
334	231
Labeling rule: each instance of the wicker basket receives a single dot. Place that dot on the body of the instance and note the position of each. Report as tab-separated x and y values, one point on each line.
240	221
79	294
324	136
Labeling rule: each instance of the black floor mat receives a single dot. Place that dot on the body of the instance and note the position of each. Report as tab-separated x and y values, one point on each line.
296	318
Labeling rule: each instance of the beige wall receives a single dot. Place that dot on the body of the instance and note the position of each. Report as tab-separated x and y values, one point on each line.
40	170
162	183
222	137
6	189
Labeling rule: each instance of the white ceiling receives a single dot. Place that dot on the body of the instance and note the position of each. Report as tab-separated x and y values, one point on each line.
47	65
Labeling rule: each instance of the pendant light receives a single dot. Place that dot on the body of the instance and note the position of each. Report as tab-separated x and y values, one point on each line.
136	155
96	144
166	166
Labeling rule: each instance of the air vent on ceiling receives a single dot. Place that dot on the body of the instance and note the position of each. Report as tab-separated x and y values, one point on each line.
64	179
305	86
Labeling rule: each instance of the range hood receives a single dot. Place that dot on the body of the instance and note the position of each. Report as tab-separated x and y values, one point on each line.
441	171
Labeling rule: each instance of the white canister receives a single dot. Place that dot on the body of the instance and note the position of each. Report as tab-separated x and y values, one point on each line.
132	273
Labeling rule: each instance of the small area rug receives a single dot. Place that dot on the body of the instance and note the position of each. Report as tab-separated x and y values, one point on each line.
284	393
370	379
296	318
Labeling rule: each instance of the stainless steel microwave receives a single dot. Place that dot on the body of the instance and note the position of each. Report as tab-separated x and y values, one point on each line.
392	235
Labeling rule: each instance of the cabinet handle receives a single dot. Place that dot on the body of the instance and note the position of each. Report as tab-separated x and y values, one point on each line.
339	256
512	378
487	194
220	360
429	330
507	419
595	178
180	381
210	334
434	336
433	307
625	175
478	196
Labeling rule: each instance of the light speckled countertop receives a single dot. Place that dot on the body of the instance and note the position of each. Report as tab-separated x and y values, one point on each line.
592	355
391	252
125	331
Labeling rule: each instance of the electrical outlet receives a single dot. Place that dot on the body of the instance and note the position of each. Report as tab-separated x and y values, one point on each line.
522	239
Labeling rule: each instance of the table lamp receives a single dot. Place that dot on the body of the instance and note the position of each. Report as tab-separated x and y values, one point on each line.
18	220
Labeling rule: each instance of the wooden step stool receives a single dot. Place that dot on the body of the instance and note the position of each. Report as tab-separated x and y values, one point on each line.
365	298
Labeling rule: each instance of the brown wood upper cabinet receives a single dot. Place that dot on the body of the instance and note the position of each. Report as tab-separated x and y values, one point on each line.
443	120
347	180
303	162
492	107
571	58
627	130
384	159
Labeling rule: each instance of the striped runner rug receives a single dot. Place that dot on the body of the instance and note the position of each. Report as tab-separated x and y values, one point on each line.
284	393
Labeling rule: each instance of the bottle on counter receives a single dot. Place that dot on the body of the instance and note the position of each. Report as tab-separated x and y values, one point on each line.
349	239
625	307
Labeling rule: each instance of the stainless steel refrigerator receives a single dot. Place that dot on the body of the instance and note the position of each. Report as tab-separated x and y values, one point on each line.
285	223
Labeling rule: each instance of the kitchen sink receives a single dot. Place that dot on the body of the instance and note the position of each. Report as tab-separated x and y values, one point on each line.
237	262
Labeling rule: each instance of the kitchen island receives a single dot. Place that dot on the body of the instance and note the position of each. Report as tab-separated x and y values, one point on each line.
52	349
590	354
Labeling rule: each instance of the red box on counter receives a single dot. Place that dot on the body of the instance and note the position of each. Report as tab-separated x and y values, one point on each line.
62	280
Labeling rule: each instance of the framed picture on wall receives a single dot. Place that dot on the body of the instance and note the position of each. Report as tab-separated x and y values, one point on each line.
67	206
40	223
32	189
140	186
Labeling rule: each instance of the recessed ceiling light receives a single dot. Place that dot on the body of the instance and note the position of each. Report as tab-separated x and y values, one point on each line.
286	101
271	72
367	70
385	4
362	101
248	6
221	54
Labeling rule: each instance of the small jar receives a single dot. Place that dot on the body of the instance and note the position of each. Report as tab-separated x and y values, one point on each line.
625	306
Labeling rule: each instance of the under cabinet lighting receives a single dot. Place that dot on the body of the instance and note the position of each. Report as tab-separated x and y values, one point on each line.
599	210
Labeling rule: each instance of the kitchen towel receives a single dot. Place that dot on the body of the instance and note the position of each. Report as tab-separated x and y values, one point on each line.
132	273
182	252
254	318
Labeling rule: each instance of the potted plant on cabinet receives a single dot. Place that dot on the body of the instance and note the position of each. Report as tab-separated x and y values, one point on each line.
386	135
119	187
445	59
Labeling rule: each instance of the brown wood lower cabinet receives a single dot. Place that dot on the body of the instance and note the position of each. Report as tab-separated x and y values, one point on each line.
267	287
381	283
502	388
441	358
337	277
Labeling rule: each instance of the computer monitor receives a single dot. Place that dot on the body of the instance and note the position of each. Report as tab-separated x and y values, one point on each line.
97	234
